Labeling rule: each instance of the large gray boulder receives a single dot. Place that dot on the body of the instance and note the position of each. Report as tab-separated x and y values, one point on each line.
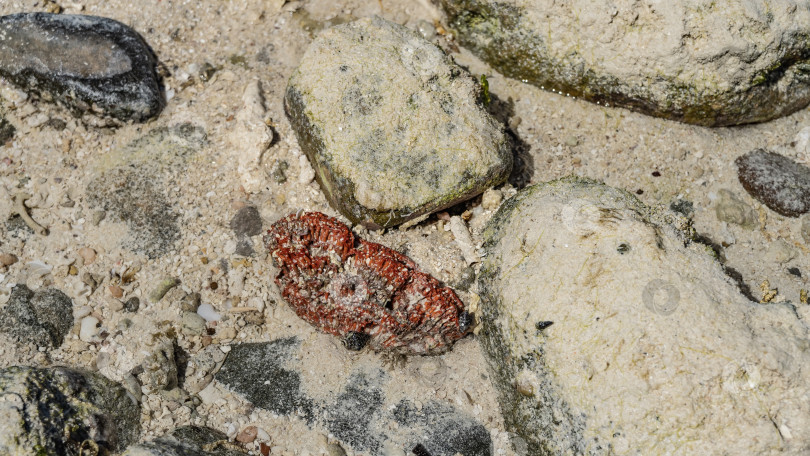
64	412
696	61
608	331
393	128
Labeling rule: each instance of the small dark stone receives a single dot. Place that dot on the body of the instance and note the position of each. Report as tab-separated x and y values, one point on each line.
466	321
466	279
260	372
279	171
683	207
16	226
420	450
623	248
6	130
776	181
247	222
244	247
656	174
355	341
56	124
84	62
541	325
132	304
795	271
42	318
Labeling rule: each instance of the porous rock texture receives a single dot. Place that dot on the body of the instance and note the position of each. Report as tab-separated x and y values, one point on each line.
393	128
608	331
697	61
84	62
64	412
777	181
41	318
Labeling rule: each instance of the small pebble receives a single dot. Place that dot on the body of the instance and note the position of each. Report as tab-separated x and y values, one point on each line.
116	291
806	229
190	302
7	259
162	288
207	312
247	222
491	199
89	329
132	304
731	209
248	434
307	173
97	217
87	254
193	324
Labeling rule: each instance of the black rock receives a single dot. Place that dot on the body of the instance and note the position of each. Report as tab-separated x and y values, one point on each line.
776	181
260	373
247	222
6	131
442	430
84	62
42	318
185	441
56	411
355	411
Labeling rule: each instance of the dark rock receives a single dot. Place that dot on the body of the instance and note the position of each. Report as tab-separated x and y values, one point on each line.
247	222
133	186
260	373
185	441
244	247
41	318
6	130
53	411
84	62
689	61
132	304
776	181
391	125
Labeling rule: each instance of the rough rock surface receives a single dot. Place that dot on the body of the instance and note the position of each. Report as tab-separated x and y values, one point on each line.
41	318
696	61
56	411
357	411
84	62
609	332
393	128
185	441
130	186
777	181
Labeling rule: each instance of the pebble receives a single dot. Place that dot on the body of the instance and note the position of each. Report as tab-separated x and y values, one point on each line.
207	312
7	259
89	329
246	222
115	76
247	434
87	254
162	288
307	173
776	181
193	324
190	302
116	291
132	304
806	229
731	209
491	199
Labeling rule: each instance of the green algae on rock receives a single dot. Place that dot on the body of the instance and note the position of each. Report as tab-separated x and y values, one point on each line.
393	128
652	346
60	411
695	61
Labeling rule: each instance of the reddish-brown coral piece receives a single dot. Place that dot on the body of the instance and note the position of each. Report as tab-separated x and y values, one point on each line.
362	291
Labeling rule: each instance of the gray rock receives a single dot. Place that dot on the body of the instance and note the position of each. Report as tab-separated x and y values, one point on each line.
201	368
359	413
56	411
692	61
650	346
84	62
132	183
776	181
806	229
247	222
186	441
192	323
41	318
393	128
731	209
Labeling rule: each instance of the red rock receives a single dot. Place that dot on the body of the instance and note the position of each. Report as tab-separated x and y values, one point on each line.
248	434
362	291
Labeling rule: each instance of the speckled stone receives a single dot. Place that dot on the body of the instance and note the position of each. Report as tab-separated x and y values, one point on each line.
86	63
53	411
185	441
776	181
41	318
393	128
